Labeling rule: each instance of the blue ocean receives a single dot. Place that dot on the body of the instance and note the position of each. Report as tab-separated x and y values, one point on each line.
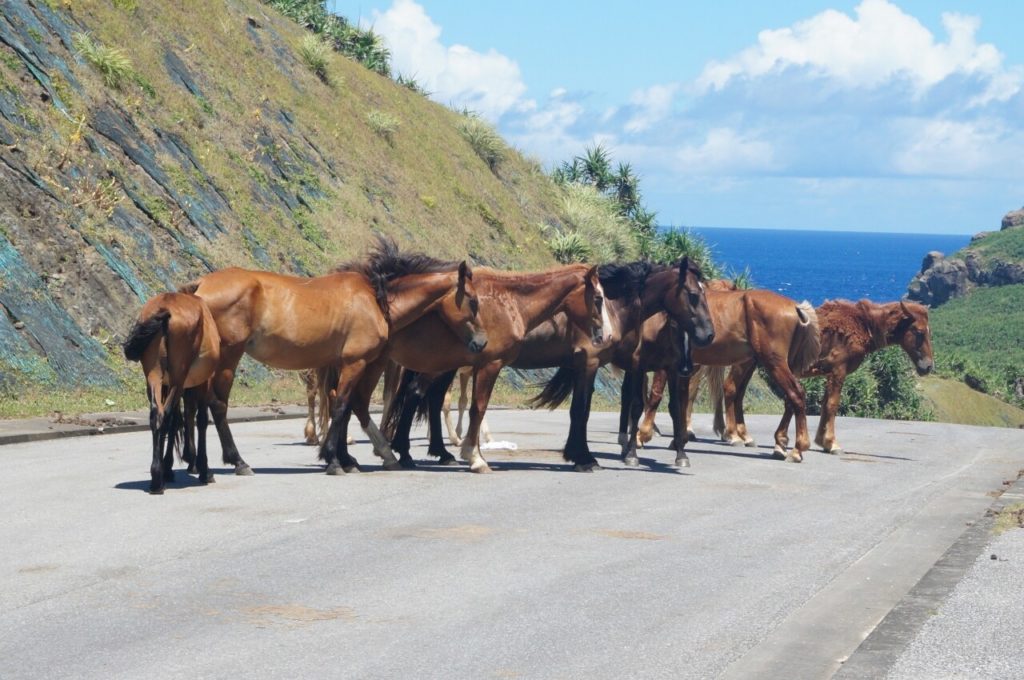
823	265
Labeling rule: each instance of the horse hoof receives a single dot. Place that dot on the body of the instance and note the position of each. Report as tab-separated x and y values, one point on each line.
209	479
407	464
682	462
334	470
736	441
448	460
749	442
393	465
192	470
631	461
795	457
244	471
351	469
481	468
778	454
835	451
691	435
587	467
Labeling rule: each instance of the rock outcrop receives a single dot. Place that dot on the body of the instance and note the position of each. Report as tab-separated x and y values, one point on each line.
943	278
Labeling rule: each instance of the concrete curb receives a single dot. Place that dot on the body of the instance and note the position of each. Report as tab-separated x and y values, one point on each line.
883	646
116	428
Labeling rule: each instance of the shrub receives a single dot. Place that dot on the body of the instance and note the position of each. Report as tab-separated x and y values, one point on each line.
570	247
596	219
314	52
112	63
883	387
383	123
486	143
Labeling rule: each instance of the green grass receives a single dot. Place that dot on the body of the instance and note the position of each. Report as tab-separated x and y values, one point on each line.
383	124
112	63
951	401
1006	245
982	335
314	52
485	141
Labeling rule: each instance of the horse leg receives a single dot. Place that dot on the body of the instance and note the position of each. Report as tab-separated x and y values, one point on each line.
682	399
446	411
189	455
693	389
648	427
625	404
437	396
335	449
309	431
223	379
733	389
362	395
826	435
635	410
746	372
795	405
483	384
576	448
201	397
464	390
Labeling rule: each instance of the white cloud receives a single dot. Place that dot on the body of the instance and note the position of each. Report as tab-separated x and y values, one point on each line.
488	83
949	148
652	105
881	44
724	151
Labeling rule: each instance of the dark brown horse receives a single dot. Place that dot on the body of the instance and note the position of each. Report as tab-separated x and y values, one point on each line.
634	294
758	326
850	331
512	305
176	340
342	319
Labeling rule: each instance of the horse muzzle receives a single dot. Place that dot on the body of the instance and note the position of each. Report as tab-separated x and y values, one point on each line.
477	343
924	366
597	336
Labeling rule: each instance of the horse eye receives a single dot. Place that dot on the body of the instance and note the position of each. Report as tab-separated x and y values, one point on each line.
474	306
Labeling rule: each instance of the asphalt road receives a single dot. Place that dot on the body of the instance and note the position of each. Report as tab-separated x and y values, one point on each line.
741	566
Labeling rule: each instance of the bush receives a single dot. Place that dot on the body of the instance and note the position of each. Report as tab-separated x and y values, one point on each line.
112	63
595	219
383	123
570	247
314	52
486	143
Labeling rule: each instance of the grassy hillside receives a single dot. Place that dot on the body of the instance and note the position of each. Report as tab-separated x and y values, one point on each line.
951	401
1006	245
143	144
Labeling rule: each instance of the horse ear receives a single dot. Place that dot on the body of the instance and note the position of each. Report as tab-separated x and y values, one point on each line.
906	310
465	273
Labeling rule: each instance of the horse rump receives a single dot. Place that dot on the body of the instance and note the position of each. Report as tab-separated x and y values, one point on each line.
143	333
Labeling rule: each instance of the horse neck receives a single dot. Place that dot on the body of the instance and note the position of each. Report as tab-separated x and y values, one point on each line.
413	295
873	316
539	296
657	287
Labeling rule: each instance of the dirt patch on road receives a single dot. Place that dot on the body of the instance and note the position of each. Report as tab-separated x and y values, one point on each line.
632	535
295	615
467	533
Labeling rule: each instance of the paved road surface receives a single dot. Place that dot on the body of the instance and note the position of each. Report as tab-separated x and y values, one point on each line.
741	566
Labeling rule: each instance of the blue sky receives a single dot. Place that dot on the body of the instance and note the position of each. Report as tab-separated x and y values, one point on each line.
874	115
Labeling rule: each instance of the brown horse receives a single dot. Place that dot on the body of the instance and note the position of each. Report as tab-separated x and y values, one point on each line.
850	331
176	340
759	326
513	304
634	294
342	319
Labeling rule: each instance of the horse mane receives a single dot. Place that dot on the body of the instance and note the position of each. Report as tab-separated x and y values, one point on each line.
624	280
847	322
385	263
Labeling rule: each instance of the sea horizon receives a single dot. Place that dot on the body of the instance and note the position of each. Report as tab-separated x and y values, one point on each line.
819	265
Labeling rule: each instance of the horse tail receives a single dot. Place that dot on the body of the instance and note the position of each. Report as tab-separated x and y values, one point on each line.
402	397
806	345
177	427
556	390
144	332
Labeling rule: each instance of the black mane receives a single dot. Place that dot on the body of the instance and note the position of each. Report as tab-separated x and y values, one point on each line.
624	280
385	263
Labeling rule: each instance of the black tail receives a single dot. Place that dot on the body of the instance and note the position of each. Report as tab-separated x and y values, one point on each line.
404	396
143	333
557	389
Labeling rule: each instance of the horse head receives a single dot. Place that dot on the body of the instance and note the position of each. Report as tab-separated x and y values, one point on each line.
461	311
909	327
585	304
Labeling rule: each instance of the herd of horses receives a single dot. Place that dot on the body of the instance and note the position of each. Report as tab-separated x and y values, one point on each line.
419	322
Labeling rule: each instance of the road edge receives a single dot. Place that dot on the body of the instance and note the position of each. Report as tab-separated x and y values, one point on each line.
878	652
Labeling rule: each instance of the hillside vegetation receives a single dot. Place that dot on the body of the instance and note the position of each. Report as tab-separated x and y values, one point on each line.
143	144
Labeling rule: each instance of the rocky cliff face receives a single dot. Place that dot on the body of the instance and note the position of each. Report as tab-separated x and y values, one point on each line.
216	145
991	259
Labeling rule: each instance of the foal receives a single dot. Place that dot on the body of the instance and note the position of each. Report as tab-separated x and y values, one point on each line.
176	340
